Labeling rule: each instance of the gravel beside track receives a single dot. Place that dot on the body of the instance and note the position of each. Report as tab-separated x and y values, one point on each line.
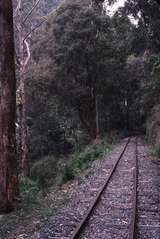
148	214
64	223
112	217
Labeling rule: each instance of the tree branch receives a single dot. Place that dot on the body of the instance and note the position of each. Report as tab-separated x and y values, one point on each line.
17	61
33	29
16	26
17	8
30	12
28	53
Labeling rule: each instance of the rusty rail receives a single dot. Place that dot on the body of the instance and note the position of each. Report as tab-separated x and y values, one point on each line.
132	228
76	234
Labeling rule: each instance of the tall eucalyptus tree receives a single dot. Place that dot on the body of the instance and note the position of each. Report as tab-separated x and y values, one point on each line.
8	169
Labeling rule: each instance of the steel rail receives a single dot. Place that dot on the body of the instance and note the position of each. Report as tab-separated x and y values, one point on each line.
76	234
133	228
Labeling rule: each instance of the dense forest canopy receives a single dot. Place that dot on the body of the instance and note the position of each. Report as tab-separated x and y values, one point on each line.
91	73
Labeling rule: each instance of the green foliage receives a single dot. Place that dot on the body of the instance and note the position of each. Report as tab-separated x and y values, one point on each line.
84	52
154	151
82	55
80	59
28	189
153	64
44	171
148	21
151	89
91	153
46	121
66	174
124	33
51	172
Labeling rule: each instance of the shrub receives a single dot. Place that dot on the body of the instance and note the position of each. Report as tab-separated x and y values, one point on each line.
44	171
91	153
28	189
50	171
154	151
66	174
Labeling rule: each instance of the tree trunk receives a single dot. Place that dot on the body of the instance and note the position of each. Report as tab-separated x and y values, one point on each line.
24	134
22	94
8	166
87	113
22	116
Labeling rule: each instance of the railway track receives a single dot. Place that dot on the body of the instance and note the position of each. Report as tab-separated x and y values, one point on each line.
130	227
120	200
148	196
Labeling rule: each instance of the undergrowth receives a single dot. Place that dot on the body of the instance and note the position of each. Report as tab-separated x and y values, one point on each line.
91	153
154	152
32	207
46	175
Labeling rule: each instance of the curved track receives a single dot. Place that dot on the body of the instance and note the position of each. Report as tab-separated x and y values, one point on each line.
132	226
120	208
